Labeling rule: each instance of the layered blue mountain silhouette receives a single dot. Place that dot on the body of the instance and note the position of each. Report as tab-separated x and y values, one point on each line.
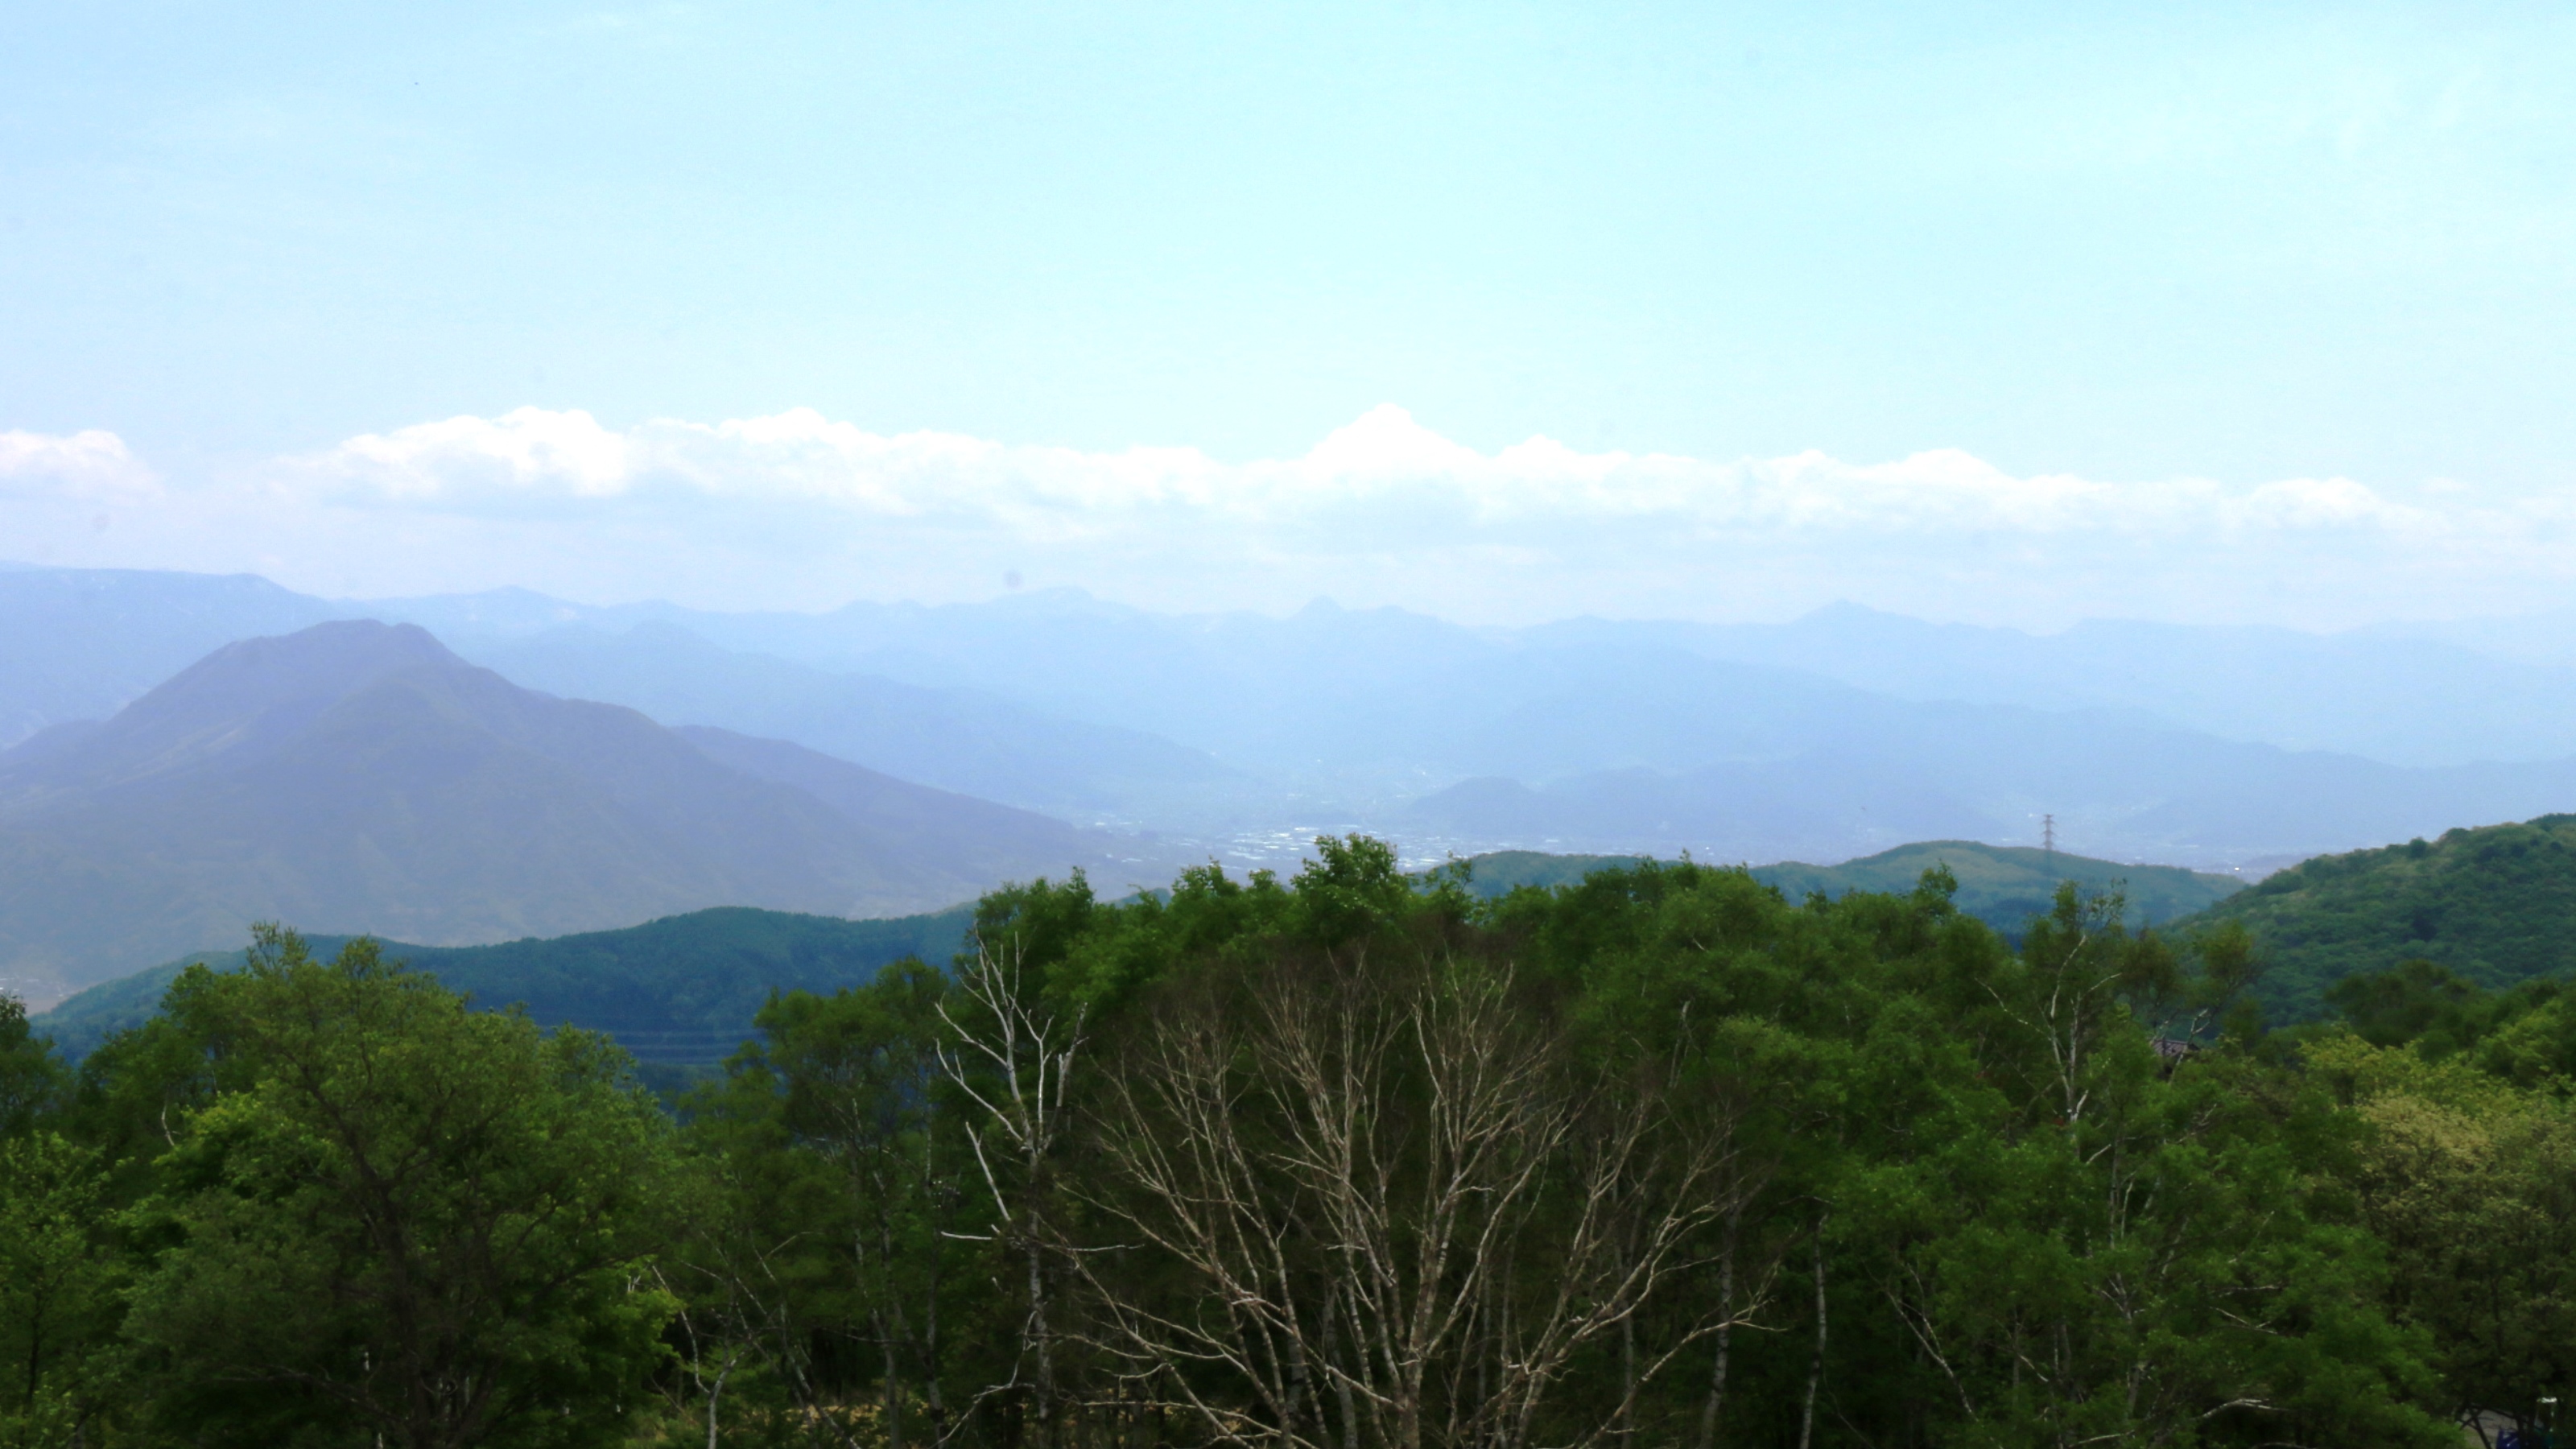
359	776
825	762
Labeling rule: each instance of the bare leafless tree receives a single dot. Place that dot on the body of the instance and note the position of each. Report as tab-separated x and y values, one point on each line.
1402	1208
1013	1056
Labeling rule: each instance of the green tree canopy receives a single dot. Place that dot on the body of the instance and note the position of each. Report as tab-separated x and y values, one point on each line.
406	1222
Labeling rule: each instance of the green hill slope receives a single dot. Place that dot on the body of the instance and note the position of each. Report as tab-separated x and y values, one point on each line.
683	989
677	990
2495	904
2004	886
1503	871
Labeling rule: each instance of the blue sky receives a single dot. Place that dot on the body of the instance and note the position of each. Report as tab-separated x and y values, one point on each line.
2178	253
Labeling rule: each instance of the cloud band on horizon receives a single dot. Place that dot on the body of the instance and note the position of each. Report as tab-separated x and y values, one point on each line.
795	509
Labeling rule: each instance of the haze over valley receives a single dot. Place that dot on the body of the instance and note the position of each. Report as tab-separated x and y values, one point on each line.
189	753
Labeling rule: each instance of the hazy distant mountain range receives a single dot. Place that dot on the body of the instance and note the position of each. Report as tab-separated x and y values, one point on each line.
1835	735
358	776
2408	695
970	740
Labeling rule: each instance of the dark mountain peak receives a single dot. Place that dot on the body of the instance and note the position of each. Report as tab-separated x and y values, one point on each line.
359	776
240	701
320	664
341	647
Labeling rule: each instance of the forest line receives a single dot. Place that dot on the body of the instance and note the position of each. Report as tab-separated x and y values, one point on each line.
1354	1159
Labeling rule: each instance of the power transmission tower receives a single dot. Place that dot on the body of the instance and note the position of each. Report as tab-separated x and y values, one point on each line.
2048	835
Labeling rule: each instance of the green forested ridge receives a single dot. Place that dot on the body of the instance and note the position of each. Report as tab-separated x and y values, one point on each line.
1665	1156
683	989
2005	886
1501	872
2001	885
680	989
2495	905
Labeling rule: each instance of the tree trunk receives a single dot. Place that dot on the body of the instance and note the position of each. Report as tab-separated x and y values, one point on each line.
715	1397
1341	1384
1725	1330
1628	1381
1816	1370
1037	1330
930	1358
893	1391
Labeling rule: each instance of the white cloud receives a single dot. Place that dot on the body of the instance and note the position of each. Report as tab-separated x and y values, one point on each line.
1384	461
529	452
86	465
797	509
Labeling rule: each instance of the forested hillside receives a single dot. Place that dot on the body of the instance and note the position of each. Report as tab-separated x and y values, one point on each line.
2495	905
2003	886
2007	886
1659	1157
685	989
679	990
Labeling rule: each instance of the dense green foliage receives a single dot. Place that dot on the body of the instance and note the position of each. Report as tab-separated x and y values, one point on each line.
2525	1035
328	1204
1659	1157
680	989
2494	906
2468	1169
